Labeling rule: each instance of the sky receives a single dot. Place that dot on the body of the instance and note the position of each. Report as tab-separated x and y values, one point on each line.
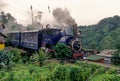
85	12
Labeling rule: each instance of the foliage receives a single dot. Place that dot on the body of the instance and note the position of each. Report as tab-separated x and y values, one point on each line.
106	77
25	57
104	35
7	43
116	56
9	57
16	55
34	58
75	72
79	74
62	73
4	58
62	51
111	71
4	17
42	57
10	21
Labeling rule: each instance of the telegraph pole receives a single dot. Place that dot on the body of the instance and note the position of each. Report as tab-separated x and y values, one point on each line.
32	14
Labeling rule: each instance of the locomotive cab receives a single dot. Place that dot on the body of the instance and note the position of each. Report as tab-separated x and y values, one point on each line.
50	37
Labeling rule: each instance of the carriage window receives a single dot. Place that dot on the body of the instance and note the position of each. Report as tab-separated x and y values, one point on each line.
14	36
34	37
31	37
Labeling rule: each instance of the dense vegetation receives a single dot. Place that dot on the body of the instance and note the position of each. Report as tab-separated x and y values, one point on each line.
116	56
17	70
104	35
62	52
57	72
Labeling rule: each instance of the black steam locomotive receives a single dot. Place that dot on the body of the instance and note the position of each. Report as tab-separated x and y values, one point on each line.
48	38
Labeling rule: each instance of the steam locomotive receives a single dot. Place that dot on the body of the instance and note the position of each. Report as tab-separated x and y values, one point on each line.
48	38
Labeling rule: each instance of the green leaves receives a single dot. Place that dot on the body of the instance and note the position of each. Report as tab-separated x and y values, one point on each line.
5	59
62	73
106	77
42	57
62	51
16	55
103	35
116	56
80	71
9	57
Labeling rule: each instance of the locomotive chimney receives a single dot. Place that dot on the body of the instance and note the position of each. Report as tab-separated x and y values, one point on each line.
75	31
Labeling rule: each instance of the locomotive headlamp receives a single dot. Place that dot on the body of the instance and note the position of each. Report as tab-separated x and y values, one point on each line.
78	33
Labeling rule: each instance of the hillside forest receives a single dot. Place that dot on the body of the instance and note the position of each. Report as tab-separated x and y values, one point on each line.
103	35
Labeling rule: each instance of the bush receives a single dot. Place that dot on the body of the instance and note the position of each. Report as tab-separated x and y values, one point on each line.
16	55
62	51
5	59
42	57
34	58
26	57
9	57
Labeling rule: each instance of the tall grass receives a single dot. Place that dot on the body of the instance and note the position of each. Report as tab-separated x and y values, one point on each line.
58	72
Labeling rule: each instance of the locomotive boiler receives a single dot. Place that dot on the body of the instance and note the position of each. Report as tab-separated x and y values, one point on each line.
48	38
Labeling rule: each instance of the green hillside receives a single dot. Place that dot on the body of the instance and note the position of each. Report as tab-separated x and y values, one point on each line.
103	35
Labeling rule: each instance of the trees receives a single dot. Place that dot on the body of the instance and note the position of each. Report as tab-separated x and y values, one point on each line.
103	35
116	56
5	17
10	22
107	43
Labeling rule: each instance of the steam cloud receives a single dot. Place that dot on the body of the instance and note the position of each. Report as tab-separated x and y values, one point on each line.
62	16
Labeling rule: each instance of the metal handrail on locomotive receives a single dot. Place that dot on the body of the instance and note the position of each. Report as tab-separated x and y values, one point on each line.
48	38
